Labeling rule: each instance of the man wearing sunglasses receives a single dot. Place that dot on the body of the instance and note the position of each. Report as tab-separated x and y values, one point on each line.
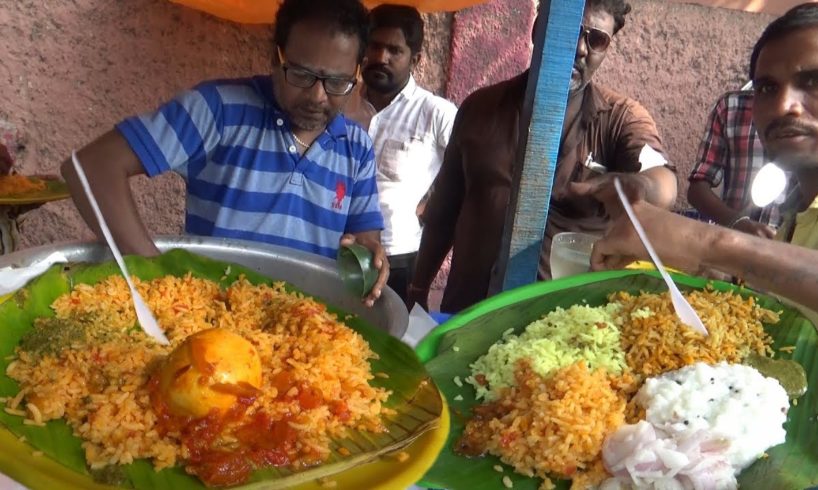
268	158
605	134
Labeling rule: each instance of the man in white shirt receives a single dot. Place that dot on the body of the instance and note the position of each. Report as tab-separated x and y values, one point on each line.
410	128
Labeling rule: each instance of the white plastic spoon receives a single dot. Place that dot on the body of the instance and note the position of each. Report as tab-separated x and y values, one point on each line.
143	313
684	311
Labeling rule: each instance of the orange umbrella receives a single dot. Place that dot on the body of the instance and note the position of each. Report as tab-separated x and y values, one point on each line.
264	11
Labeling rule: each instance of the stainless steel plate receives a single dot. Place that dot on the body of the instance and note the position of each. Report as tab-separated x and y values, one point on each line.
312	274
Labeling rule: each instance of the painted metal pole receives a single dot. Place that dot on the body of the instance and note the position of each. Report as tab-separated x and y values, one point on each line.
555	45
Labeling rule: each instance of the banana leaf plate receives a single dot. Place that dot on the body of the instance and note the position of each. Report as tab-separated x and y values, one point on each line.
792	465
52	457
54	191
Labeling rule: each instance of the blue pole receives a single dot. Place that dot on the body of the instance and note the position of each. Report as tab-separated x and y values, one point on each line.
546	97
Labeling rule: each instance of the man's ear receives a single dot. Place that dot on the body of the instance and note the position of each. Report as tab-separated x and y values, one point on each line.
415	60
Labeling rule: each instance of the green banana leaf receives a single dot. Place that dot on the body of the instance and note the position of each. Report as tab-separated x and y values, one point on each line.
415	399
792	465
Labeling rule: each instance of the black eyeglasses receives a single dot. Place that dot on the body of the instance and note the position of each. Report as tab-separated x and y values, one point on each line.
596	39
303	78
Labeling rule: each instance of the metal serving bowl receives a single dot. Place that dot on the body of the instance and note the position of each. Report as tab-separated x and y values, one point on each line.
313	274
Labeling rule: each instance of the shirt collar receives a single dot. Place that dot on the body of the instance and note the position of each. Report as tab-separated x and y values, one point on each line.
799	224
407	92
594	102
336	127
794	201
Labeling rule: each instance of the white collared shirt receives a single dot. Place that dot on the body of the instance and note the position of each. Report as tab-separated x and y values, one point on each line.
410	136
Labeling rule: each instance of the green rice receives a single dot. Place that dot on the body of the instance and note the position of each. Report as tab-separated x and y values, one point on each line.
559	339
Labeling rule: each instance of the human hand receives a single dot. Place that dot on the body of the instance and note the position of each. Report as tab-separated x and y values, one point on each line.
636	187
754	228
680	242
371	240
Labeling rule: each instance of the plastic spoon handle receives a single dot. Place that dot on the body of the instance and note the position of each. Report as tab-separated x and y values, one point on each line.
684	311
143	313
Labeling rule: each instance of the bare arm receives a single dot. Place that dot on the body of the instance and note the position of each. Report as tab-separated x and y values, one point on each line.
656	186
781	268
108	163
702	198
661	189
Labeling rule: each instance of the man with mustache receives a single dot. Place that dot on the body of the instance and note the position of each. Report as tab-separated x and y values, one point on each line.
468	206
784	70
268	158
410	128
730	155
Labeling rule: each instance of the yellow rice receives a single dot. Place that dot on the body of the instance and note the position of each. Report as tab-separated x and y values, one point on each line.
99	386
655	341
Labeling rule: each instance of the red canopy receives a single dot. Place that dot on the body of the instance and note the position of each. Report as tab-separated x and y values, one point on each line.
264	11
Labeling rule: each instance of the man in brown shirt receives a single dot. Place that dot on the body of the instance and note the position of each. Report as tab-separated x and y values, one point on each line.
471	193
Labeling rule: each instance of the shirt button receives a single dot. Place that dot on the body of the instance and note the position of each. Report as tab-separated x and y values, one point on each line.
280	122
292	148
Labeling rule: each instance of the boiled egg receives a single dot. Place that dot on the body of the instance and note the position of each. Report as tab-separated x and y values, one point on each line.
209	371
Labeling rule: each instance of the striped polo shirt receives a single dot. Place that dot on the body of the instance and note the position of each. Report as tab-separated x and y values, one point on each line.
235	149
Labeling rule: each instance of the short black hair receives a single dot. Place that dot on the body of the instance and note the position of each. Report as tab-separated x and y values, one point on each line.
617	8
799	17
402	17
347	17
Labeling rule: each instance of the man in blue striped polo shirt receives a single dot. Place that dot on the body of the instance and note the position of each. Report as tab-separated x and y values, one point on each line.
267	158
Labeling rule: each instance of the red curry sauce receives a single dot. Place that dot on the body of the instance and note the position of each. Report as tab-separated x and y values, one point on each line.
261	440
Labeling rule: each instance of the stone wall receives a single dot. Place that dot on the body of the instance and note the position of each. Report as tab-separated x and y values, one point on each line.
773	7
490	43
676	59
70	70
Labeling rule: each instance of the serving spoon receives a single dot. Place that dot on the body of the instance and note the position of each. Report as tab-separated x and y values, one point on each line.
684	311
143	313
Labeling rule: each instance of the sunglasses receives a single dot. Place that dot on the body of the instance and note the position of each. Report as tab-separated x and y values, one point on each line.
303	78
596	39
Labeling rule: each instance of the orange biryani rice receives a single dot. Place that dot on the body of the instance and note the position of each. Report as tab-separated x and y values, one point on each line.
550	426
98	380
